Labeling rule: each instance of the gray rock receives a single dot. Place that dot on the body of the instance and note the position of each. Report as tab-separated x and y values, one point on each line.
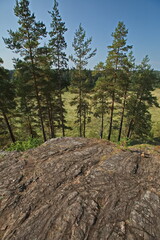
79	189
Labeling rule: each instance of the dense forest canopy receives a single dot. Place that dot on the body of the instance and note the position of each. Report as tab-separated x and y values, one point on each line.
42	98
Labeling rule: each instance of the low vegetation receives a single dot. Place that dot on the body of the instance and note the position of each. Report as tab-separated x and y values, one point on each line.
20	146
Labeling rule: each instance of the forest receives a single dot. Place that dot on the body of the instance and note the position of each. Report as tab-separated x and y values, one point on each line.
42	98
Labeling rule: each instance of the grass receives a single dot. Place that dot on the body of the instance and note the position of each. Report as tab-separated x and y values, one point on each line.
70	116
93	128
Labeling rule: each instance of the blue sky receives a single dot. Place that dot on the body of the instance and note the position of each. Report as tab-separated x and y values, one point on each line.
99	19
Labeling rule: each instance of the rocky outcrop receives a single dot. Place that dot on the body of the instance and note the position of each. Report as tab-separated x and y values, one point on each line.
79	189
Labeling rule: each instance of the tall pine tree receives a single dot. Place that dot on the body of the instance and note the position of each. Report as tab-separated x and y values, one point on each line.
141	98
26	107
115	65
58	45
25	41
82	53
124	87
100	102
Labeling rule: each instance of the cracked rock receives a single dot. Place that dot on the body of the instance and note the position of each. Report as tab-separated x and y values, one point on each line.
79	189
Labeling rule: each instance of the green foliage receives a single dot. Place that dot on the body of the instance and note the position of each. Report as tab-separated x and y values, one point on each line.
124	143
82	50
113	101
57	42
26	41
24	145
118	49
116	65
26	107
59	60
7	101
7	91
141	98
79	82
100	101
157	83
27	37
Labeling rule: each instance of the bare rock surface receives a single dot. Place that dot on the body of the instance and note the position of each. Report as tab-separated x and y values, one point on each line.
79	189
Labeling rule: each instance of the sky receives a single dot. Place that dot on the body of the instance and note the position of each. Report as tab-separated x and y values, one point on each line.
99	19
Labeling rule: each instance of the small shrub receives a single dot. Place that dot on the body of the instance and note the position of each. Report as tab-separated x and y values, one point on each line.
24	145
124	142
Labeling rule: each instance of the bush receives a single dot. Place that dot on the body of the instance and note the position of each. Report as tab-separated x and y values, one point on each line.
125	142
24	145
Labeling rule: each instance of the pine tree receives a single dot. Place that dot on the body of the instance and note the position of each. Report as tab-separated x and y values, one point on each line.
26	108
141	98
124	85
83	53
100	101
115	64
58	45
48	81
26	41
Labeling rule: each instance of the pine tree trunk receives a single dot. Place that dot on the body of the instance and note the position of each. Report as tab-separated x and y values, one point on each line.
84	122
50	117
61	113
37	97
9	127
102	125
102	119
80	111
52	127
122	116
60	98
111	116
30	127
40	112
29	120
137	103
113	100
129	129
